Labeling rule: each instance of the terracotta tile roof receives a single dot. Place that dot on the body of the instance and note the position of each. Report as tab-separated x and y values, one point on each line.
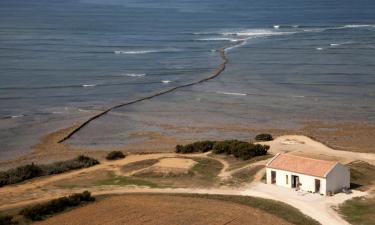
298	164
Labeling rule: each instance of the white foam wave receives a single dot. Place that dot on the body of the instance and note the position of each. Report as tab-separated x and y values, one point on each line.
276	26
17	116
256	33
358	25
231	93
319	49
334	44
88	85
119	52
132	52
134	74
166	81
219	39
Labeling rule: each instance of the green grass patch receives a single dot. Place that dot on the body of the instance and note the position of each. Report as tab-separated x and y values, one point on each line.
206	169
359	211
245	175
126	181
361	175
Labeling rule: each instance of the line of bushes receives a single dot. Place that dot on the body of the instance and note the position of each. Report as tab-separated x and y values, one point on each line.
6	220
199	146
115	155
40	211
239	149
264	137
26	172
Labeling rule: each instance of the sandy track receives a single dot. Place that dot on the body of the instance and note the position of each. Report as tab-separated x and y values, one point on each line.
156	209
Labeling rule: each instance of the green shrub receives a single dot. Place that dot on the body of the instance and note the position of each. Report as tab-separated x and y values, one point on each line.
240	149
40	211
199	146
264	137
115	155
22	173
30	171
6	220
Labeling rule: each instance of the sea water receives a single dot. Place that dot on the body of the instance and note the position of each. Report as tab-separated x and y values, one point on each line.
63	61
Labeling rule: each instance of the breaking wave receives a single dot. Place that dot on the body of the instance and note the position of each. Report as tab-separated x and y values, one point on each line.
88	85
231	93
135	52
134	74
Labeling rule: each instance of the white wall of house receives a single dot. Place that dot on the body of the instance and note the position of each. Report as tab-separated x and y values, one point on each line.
338	178
284	178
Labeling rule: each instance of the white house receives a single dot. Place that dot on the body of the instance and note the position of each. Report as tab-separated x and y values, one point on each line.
312	175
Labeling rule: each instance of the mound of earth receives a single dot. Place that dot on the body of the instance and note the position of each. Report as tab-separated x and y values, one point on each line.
163	209
169	166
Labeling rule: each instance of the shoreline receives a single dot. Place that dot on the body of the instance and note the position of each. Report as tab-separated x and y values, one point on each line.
49	149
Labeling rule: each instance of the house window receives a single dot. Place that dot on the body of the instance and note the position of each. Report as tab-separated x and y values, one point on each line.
286	179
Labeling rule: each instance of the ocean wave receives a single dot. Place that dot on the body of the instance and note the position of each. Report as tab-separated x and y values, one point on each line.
166	81
136	52
319	49
119	52
219	39
256	33
134	74
89	85
358	25
231	93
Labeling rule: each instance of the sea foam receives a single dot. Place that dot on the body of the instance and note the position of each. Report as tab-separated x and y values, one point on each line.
88	85
134	74
231	93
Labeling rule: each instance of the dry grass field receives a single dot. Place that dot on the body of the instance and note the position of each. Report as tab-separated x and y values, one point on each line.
163	209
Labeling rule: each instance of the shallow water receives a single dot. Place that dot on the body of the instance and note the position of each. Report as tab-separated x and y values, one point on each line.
61	61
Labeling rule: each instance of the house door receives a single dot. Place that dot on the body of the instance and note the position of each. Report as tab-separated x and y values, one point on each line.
273	177
317	185
295	181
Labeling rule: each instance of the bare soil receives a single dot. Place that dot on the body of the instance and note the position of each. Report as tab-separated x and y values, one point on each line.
163	209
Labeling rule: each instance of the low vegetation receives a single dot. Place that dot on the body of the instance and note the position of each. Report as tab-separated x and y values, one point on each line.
115	155
6	220
203	174
26	172
359	211
245	175
362	175
199	146
264	137
40	211
206	169
239	149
